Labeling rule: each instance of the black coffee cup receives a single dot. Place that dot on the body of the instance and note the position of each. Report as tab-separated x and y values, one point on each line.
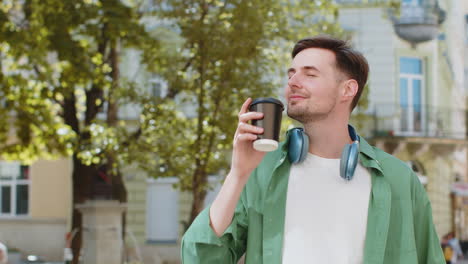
272	110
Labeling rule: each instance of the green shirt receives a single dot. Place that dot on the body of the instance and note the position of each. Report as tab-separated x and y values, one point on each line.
399	225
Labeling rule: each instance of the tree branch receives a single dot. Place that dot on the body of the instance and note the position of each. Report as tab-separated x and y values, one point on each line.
112	107
173	91
95	93
70	113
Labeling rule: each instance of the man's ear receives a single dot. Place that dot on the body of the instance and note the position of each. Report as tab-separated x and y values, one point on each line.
350	89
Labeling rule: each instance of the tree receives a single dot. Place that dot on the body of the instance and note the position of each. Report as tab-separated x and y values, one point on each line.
62	84
61	87
231	50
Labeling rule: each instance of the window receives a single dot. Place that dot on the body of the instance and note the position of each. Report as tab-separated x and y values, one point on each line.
157	87
412	2
14	189
162	212
411	95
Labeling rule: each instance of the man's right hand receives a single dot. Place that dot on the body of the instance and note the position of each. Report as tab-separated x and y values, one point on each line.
244	160
244	157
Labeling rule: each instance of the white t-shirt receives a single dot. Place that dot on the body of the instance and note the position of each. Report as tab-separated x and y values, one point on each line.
326	216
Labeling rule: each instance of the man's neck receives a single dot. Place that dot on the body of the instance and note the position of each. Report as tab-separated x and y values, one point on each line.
327	137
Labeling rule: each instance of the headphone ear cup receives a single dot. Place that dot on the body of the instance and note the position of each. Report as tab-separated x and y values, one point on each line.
349	161
298	146
305	146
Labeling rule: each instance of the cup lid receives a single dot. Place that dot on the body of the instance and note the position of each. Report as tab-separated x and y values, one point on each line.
267	100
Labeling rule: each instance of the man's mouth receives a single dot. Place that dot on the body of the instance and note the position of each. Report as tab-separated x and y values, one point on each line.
296	97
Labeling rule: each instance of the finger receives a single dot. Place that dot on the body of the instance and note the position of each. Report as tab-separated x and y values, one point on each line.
245	106
246	137
247	128
246	117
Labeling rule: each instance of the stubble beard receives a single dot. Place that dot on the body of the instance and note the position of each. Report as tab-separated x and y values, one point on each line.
304	114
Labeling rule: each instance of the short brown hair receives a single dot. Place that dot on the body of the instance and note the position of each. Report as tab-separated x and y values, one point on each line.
348	60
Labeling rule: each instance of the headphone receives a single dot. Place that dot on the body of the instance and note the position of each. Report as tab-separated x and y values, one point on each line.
299	147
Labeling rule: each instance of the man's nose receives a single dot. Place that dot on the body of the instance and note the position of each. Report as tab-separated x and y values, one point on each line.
293	82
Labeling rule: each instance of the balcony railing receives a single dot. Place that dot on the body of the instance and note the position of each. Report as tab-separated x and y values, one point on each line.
419	14
418	121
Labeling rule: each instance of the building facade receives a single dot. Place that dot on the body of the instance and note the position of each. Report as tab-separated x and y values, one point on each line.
417	107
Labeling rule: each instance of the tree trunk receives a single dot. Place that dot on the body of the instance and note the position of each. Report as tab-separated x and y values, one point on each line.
119	192
199	193
88	183
104	181
82	182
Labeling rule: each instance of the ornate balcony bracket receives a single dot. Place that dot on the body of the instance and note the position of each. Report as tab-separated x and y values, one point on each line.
392	147
443	149
418	149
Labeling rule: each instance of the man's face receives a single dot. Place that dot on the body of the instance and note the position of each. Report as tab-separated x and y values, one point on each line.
313	86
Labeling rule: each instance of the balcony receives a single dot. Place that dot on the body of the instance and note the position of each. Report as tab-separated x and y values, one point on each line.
417	129
423	121
417	23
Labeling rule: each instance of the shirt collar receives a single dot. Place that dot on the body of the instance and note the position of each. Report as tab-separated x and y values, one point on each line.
367	156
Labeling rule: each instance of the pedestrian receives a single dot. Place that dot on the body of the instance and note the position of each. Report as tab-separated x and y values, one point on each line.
3	254
340	201
447	249
454	243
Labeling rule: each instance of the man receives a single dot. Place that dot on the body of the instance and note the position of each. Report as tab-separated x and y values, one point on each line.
278	212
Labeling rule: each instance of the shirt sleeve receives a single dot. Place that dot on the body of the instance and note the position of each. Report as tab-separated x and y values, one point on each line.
427	241
201	245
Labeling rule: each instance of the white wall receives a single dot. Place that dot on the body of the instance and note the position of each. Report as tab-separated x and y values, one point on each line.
374	37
